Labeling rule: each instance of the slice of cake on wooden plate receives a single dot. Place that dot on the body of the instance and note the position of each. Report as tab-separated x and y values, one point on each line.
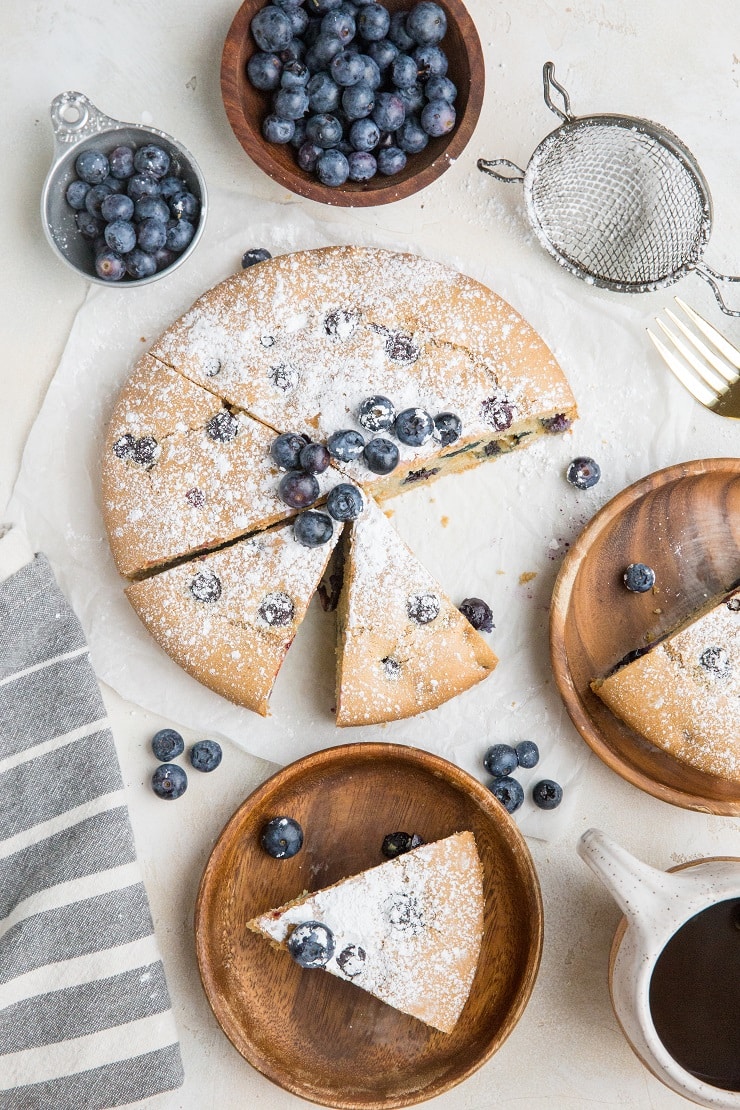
402	646
683	692
408	931
228	618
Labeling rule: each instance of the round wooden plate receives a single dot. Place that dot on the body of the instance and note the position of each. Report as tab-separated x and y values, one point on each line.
316	1035
684	522
246	107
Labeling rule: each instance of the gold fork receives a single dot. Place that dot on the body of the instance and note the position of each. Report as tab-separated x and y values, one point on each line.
711	373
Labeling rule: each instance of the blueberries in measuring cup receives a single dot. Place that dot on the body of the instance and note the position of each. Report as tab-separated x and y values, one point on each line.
134	208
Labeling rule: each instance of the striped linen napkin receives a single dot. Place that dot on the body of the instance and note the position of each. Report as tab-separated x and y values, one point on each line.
85	1017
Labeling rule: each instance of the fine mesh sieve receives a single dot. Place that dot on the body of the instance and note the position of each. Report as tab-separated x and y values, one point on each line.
616	200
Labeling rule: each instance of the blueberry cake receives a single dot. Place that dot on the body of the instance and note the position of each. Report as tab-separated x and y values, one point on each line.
683	692
399	370
228	618
408	931
402	646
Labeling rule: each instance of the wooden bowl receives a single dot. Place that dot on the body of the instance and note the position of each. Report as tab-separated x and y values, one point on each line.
246	107
685	523
316	1035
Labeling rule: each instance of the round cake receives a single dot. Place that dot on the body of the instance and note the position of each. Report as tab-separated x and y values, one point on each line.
297	344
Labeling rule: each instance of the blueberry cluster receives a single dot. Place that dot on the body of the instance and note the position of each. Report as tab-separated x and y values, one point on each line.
502	759
136	215
169	780
355	90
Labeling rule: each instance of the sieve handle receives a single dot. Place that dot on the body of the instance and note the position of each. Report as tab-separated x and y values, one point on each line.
712	278
550	84
487	167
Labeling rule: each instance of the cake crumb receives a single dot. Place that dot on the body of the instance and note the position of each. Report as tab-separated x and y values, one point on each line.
444	521
527	576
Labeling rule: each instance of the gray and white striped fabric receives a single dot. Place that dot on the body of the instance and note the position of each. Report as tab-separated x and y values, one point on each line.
85	1018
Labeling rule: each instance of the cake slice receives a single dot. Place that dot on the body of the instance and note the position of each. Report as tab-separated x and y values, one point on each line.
402	646
683	693
228	618
408	931
182	473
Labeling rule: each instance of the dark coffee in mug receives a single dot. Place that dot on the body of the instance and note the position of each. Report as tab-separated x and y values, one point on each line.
695	995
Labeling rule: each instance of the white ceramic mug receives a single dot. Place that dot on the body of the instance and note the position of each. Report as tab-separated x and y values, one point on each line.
656	904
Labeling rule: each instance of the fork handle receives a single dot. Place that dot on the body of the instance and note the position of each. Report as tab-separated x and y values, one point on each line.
712	278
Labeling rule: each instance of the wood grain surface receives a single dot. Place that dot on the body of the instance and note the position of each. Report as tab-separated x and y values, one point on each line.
684	522
246	107
318	1036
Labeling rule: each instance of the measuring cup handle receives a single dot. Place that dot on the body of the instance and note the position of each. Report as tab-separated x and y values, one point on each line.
549	83
712	278
74	117
487	167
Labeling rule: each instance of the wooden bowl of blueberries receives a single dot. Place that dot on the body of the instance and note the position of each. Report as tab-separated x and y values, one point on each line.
353	104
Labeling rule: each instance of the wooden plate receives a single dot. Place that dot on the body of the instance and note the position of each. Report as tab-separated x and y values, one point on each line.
685	523
246	107
318	1036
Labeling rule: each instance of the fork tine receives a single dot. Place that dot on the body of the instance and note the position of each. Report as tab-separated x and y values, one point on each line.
731	353
716	383
714	360
696	388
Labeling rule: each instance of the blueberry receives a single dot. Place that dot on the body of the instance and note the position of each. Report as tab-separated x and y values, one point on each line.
143	185
94	199
282	838
264	71
311	944
167	744
139	264
324	130
271	29
509	792
205	586
145	451
277	130
340	23
414	427
116	206
351	960
321	54
298	490
314	458
276	609
169	781
318	7
308	155
298	19
358	101
404	72
171	186
583	473
422	608
547	794
110	266
206	755
364	134
478	613
312	529
290	104
295	76
89	226
345	502
500	760
441	88
299	134
92	167
391	161
295	51
426	23
253	256
373	22
123	448
389	111
121	162
639	578
362	166
179	234
716	661
438	118
148	208
184	206
376	413
383	53
396	844
151	235
323	93
76	193
120	236
556	424
448	428
371	76
332	168
527	754
381	455
341	322
397	32
152	159
413	100
346	445
347	68
223	427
